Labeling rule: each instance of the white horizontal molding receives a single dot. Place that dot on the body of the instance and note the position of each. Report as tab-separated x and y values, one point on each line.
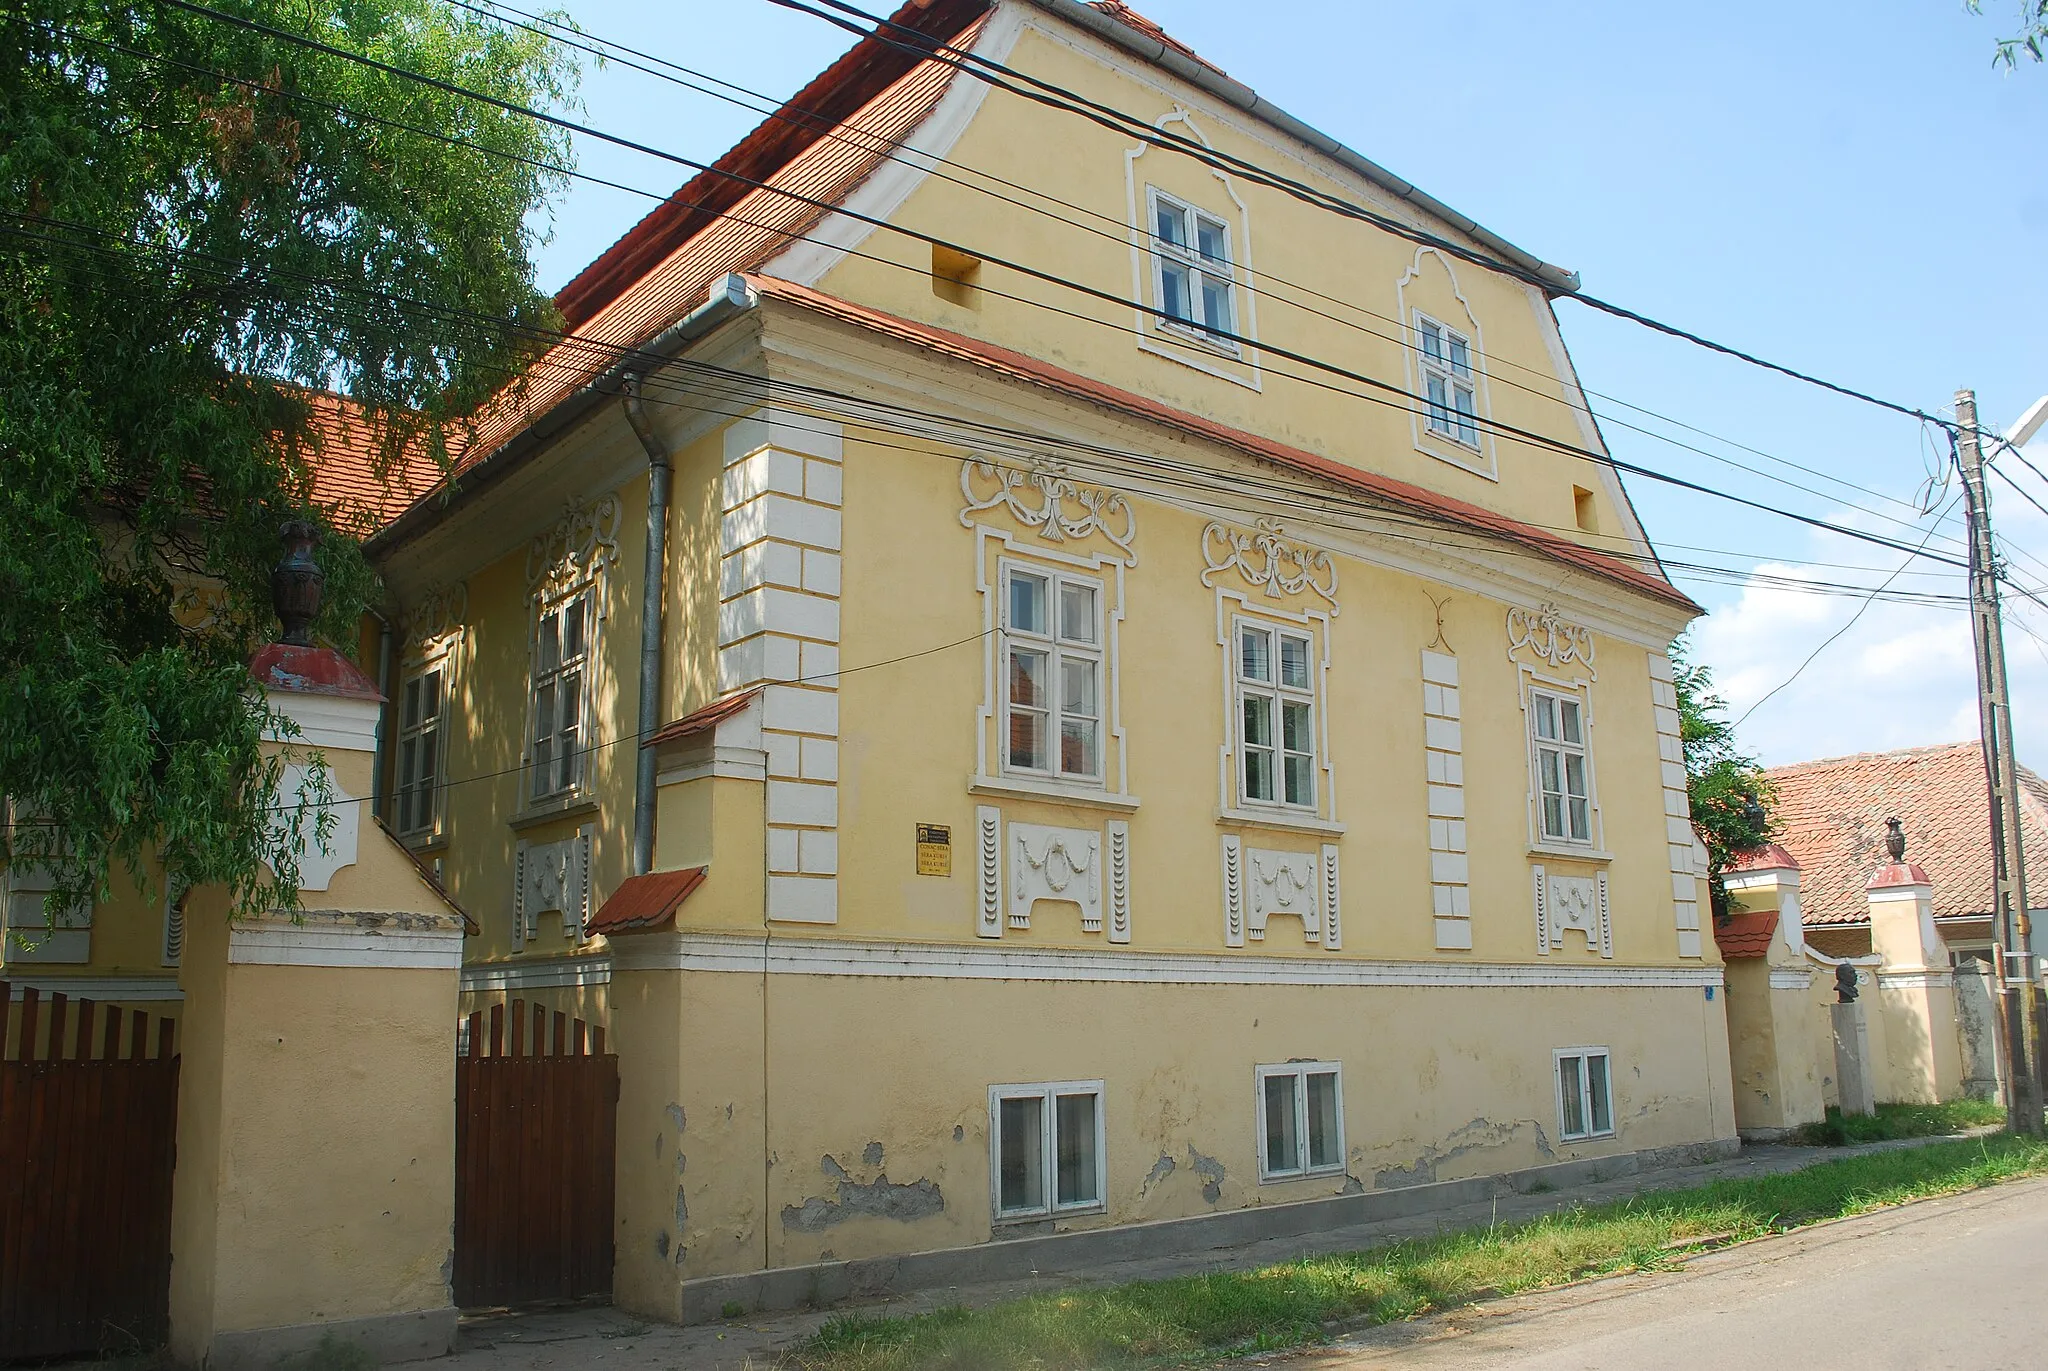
98	989
1021	788
551	973
1280	819
331	943
341	722
1795	978
1915	980
788	956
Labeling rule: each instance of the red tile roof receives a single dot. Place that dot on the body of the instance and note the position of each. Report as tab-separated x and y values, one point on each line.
1131	19
1833	812
353	478
644	903
699	720
1395	492
1746	935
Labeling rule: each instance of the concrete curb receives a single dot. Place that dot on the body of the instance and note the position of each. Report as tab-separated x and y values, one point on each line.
819	1284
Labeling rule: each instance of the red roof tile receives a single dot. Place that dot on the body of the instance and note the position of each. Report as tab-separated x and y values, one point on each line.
1020	367
1832	815
645	903
1746	935
699	720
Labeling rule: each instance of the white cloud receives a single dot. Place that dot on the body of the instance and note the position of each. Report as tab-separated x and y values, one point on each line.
1903	676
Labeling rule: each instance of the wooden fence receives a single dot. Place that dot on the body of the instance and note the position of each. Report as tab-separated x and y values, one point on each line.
87	1143
535	1115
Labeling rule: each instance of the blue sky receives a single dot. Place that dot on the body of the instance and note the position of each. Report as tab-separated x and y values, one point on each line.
1850	189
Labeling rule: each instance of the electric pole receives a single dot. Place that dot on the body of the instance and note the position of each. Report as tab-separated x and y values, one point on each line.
2008	859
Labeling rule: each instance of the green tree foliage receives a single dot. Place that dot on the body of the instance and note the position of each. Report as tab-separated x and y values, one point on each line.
202	225
2031	37
1730	794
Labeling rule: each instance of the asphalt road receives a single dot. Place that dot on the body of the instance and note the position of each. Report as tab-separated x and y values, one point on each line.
1946	1283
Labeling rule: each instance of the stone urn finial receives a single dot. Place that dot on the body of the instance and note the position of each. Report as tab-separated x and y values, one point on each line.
296	583
1894	841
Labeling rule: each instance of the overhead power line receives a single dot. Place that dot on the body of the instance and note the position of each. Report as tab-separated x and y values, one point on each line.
1407	399
1049	92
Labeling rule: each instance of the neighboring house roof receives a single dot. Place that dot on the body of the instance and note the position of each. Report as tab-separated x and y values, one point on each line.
351	478
1746	935
1832	815
1017	366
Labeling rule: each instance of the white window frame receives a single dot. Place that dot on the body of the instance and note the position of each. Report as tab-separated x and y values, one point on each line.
1584	1056
1243	687
415	827
1446	418
1050	1092
1561	696
1302	1165
538	680
1058	650
1199	267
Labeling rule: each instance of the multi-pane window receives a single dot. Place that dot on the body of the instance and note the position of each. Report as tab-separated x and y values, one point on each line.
1193	280
1046	1148
1052	670
561	669
1563	783
419	753
1585	1106
1301	1120
1447	381
1276	715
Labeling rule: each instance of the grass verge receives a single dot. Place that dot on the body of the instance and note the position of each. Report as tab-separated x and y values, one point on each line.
1198	1318
1899	1121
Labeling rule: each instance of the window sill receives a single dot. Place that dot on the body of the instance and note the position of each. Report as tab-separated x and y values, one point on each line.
1199	337
424	844
1011	1222
1566	852
1289	1177
567	807
1587	1137
1021	788
1293	823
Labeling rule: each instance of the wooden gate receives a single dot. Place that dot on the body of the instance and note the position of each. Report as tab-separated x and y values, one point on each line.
535	1115
86	1149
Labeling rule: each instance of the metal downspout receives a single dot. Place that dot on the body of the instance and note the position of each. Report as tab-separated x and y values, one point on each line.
653	608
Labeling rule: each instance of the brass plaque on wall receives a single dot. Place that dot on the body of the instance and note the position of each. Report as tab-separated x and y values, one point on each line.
934	850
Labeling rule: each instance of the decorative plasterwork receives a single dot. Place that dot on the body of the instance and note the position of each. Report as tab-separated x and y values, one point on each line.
1546	635
1047	499
1119	881
301	808
1048	863
1268	561
440	612
584	541
1233	891
552	876
1333	900
1282	883
1575	903
988	861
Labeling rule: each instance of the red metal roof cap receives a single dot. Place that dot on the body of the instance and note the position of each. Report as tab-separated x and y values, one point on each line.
1769	857
701	720
311	671
1897	874
1746	935
645	903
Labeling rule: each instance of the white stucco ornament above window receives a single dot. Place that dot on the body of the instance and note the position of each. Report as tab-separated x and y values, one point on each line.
1046	499
1543	637
1269	561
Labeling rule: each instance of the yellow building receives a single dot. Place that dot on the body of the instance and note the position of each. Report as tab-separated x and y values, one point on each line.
1139	697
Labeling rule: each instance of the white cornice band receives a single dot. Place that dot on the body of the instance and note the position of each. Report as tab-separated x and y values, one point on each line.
397	949
553	973
925	961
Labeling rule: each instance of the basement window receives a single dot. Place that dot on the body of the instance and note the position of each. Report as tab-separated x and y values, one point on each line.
1585	1102
1046	1149
956	277
1301	1120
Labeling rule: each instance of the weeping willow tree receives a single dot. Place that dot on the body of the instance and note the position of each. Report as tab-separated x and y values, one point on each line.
207	228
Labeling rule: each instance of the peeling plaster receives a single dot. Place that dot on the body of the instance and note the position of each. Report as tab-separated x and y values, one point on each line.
682	1211
1211	1172
880	1199
659	1139
675	1116
661	1244
1479	1135
871	1155
959	1132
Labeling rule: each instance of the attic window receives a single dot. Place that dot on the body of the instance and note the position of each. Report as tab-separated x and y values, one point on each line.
956	277
1583	510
